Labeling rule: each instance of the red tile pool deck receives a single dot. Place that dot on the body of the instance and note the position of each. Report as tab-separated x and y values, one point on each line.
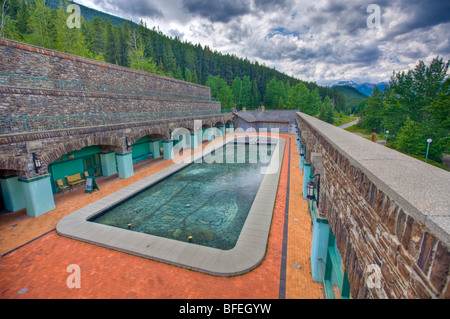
36	260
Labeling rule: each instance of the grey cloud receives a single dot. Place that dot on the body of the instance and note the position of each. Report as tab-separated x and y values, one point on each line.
137	8
269	5
421	14
218	10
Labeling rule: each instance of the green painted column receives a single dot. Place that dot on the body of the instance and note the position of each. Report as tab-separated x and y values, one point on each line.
125	165
222	130
194	141
38	195
12	193
306	178
231	129
208	134
154	148
319	246
302	162
182	142
109	165
168	150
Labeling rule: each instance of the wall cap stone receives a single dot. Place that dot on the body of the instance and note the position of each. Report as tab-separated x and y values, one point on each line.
422	190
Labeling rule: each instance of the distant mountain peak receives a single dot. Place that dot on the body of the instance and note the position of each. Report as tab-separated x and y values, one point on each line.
364	88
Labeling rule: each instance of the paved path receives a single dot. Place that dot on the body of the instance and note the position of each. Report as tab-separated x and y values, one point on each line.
349	124
38	259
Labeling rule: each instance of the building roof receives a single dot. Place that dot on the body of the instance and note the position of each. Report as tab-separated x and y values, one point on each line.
285	116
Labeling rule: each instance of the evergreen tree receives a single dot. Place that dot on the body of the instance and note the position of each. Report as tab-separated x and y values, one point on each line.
245	97
138	61
373	113
299	99
314	102
39	24
187	75
110	44
270	96
255	97
236	88
326	112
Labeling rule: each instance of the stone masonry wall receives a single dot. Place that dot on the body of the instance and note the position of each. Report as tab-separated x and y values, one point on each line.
15	102
374	225
23	59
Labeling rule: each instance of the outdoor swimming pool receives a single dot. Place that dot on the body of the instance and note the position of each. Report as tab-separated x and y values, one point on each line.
204	203
251	246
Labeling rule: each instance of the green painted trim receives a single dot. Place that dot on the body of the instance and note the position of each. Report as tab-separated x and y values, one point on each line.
34	179
126	154
329	290
335	266
8	177
107	152
345	292
167	142
314	216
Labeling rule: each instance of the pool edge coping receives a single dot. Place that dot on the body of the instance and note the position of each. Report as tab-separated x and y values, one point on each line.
248	253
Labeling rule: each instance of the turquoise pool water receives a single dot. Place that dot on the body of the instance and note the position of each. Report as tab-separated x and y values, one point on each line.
206	204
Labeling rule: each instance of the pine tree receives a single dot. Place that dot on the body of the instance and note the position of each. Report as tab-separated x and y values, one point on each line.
236	88
326	112
39	24
255	97
110	45
245	97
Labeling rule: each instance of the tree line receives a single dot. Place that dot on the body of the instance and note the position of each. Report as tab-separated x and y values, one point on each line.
414	107
235	81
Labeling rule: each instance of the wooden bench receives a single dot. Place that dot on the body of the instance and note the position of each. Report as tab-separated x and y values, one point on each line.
74	180
142	158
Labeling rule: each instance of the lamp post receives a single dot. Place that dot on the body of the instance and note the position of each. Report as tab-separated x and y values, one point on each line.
311	189
302	150
387	134
428	149
37	163
127	142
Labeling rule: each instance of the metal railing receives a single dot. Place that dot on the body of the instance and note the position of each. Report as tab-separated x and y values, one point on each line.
15	125
30	82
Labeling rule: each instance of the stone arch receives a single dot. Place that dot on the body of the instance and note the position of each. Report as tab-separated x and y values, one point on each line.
66	147
13	164
153	132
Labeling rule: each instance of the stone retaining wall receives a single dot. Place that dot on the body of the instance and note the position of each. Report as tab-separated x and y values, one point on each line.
385	209
18	102
23	59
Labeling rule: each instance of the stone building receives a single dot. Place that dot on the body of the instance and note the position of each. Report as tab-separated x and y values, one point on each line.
283	120
63	115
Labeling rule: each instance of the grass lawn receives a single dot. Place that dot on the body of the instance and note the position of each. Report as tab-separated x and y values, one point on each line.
357	129
343	119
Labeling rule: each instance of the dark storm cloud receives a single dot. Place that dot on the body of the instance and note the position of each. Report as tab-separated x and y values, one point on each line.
268	5
422	14
135	8
218	10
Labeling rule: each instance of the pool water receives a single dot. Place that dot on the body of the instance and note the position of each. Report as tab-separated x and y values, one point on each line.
206	204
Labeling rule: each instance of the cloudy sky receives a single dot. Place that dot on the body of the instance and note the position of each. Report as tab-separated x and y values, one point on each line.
323	41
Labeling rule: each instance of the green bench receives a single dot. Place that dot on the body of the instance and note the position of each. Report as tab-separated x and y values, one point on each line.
142	158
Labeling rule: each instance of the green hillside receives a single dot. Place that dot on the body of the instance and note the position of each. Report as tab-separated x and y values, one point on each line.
352	96
88	13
